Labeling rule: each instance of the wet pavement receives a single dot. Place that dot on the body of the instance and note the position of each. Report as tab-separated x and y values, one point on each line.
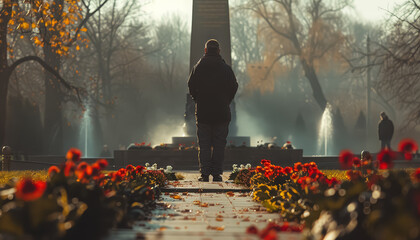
221	210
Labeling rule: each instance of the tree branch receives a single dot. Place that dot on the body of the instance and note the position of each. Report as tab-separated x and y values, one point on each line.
49	69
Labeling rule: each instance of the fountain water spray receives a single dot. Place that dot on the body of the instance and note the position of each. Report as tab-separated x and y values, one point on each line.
326	129
86	128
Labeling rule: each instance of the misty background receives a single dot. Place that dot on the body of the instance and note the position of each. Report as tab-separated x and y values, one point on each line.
133	64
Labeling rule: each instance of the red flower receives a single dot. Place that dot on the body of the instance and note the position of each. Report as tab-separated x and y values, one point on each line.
140	169
416	175
96	169
83	170
74	155
28	190
102	163
53	170
287	170
332	182
346	159
298	166
122	172
294	177
385	158
82	166
252	229
356	162
266	162
130	168
69	168
353	175
408	147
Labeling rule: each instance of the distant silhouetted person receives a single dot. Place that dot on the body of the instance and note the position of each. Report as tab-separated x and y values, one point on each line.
385	131
212	85
105	152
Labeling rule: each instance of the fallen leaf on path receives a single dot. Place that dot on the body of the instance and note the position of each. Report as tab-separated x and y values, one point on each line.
196	202
176	197
204	205
222	228
230	194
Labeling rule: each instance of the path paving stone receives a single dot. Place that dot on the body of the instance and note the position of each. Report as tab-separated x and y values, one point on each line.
221	214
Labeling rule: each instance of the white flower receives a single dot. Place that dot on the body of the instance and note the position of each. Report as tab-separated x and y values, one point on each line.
248	166
168	169
234	165
235	169
241	167
154	166
147	165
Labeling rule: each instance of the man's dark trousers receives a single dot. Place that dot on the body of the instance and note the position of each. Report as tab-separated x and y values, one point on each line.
386	143
212	142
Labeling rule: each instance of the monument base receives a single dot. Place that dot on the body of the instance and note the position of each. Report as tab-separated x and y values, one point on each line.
192	140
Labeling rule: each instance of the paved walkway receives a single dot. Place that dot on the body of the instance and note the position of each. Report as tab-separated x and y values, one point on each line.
225	213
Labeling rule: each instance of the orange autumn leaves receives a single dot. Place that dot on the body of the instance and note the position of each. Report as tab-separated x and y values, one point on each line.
48	23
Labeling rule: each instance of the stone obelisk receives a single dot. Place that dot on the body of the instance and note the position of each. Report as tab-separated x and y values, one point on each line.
210	19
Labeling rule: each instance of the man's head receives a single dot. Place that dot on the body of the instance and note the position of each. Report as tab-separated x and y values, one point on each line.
383	115
212	47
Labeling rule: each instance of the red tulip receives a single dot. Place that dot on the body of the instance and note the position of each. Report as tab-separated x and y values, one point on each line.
252	229
29	190
416	175
356	162
74	155
408	147
53	170
69	168
385	158
102	163
346	159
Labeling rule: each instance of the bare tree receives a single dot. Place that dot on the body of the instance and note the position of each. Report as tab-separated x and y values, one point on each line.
171	51
400	61
305	30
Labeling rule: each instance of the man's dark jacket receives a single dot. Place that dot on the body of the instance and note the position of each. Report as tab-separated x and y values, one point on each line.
212	85
385	129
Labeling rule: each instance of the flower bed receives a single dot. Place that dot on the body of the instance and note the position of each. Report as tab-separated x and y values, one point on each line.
78	201
367	205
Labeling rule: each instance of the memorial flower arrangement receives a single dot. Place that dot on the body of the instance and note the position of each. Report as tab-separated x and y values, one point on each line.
367	205
78	200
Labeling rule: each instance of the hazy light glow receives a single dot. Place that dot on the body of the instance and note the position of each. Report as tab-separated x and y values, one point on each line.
367	10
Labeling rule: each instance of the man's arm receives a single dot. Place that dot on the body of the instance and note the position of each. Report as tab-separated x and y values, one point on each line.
192	85
234	84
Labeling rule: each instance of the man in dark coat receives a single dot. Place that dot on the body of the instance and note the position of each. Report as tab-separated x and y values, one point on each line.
385	131
212	85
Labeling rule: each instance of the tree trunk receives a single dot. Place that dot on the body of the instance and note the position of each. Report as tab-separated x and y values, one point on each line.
316	87
4	68
4	82
53	122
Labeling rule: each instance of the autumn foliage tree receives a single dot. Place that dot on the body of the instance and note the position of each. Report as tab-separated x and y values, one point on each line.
306	31
53	26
